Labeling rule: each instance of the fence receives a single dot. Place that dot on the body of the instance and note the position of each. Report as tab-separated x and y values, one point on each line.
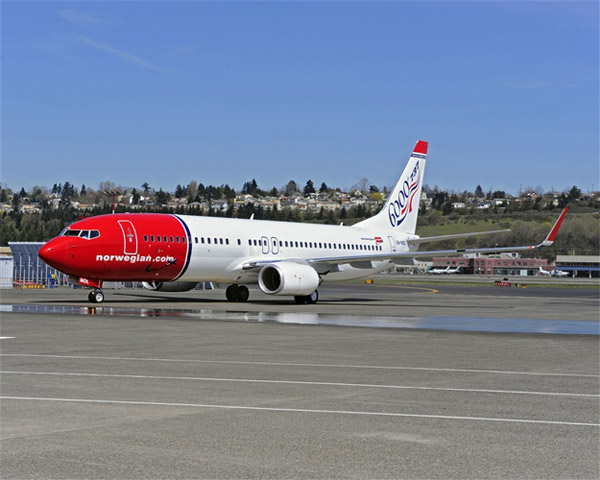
26	270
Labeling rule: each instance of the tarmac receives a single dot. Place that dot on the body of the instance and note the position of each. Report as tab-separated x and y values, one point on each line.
187	385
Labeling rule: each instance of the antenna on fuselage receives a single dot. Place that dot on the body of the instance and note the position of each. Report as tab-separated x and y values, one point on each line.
252	217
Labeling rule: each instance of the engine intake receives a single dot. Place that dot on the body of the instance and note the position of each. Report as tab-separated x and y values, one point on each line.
288	278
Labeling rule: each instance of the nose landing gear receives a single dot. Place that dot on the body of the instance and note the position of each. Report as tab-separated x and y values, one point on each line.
96	296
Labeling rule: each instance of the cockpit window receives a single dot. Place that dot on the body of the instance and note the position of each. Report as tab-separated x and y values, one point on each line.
81	233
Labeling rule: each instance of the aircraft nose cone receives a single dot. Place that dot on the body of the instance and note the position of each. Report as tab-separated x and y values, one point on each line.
53	253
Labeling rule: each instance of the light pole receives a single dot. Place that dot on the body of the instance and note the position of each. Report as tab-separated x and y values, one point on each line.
112	193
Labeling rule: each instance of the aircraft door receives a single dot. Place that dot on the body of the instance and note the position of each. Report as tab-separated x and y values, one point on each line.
274	245
392	241
130	242
264	241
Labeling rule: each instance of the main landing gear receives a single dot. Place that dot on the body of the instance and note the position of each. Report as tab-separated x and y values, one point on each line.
237	293
310	299
96	296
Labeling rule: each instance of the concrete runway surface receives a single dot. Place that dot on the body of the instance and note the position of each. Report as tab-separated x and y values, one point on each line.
141	389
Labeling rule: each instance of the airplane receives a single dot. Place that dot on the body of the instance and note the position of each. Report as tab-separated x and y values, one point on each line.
172	253
553	273
444	271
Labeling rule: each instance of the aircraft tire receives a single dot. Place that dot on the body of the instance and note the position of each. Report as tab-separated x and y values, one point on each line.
312	298
96	296
232	293
243	293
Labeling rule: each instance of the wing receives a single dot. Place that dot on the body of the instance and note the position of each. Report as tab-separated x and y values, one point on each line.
325	264
418	241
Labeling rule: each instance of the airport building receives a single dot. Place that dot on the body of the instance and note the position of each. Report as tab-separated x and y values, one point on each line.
583	266
503	264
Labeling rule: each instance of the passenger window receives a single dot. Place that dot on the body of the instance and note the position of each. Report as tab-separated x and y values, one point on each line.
172	239
158	238
202	240
221	241
216	242
296	244
239	242
176	239
151	238
254	241
249	242
310	244
195	240
286	243
280	243
145	238
182	239
226	241
208	240
165	239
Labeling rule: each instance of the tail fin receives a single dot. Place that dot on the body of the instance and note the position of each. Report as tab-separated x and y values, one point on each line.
402	207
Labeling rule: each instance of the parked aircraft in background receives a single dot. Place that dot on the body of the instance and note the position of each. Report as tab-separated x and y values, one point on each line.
444	271
553	273
172	253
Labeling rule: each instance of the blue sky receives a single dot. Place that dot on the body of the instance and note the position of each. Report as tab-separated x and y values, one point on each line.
222	92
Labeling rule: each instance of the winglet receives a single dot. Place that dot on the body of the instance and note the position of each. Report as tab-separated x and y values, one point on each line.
552	235
421	147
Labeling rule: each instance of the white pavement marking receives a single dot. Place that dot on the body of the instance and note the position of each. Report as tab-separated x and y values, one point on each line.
6	338
295	382
299	410
309	365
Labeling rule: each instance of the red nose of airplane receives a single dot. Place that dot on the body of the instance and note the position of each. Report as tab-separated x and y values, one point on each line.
54	253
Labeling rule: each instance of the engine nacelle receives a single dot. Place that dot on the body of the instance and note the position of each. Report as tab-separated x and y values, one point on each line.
169	286
288	278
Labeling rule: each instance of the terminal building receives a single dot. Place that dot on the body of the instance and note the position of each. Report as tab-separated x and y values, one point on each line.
582	266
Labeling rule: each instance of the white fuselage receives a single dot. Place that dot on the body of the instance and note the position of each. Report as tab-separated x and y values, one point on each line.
222	246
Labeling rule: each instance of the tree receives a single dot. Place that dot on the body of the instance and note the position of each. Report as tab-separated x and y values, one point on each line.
250	188
309	188
291	188
479	192
83	190
162	197
146	187
324	188
192	190
179	191
135	197
362	185
574	194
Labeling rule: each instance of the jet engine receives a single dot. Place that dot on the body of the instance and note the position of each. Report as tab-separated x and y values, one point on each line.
169	286
288	278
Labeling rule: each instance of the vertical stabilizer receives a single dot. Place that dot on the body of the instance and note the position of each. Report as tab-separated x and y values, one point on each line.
402	207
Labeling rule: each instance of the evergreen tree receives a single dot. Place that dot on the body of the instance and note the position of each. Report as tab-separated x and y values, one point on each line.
309	188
